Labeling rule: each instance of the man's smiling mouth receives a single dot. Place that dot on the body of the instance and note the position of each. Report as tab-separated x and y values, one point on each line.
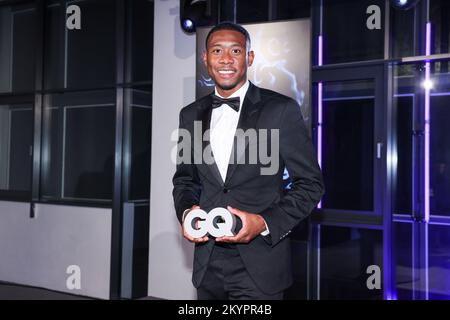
227	71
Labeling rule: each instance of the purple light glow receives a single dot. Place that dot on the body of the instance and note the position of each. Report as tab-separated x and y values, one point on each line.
427	127
319	109
426	267
320	53
391	296
319	120
427	155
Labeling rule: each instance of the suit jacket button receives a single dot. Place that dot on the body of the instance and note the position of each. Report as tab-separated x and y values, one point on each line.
225	190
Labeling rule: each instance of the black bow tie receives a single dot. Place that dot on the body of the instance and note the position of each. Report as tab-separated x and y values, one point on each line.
234	103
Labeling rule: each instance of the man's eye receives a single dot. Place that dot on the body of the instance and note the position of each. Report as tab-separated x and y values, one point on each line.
236	51
216	51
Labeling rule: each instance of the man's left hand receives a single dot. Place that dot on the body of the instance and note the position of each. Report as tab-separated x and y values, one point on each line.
252	225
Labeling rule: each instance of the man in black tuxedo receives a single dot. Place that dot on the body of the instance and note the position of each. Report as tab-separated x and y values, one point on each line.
256	262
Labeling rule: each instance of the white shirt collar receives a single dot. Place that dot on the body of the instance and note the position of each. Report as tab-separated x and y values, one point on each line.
241	92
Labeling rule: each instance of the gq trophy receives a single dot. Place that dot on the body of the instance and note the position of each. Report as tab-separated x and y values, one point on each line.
219	222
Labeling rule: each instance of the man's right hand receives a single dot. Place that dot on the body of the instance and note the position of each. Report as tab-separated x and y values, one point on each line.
187	236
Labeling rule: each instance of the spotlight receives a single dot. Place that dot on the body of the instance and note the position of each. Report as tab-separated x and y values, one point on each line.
197	13
188	25
428	84
403	4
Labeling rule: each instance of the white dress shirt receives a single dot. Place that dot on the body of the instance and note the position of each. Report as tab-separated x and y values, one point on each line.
224	121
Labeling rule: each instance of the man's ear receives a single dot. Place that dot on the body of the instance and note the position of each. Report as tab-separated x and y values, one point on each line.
204	58
251	57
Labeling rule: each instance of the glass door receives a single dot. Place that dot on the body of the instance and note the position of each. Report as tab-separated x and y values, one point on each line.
348	239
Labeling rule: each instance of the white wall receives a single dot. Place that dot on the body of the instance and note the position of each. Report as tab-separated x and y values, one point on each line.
170	258
37	251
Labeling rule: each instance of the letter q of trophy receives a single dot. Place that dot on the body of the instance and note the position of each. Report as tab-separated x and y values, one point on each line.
219	222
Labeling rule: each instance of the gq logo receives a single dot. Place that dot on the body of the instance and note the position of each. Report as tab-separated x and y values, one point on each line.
218	222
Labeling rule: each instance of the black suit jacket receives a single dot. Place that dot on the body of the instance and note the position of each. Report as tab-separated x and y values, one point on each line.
267	259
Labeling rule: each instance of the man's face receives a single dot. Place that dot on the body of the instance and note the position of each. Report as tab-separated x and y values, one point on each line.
226	60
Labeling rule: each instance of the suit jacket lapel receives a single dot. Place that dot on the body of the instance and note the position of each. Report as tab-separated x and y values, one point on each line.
206	124
247	120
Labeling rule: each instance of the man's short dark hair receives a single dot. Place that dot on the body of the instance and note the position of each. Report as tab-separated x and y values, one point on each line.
227	25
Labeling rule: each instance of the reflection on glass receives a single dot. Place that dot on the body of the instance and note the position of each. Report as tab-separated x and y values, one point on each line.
440	19
140	50
410	104
403	261
402	33
16	139
345	255
440	155
298	291
439	262
78	146
89	152
409	91
299	247
24	49
349	18
439	140
347	144
17	48
54	47
91	50
404	141
141	134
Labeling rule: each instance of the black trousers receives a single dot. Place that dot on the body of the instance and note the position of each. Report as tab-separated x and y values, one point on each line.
227	278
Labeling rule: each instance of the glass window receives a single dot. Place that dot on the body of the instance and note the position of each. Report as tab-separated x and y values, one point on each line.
298	291
404	142
140	50
54	58
97	35
438	262
16	142
348	17
252	11
403	102
440	28
440	139
293	9
440	154
403	260
347	145
249	11
140	144
24	48
78	146
409	91
82	58
402	32
299	247
17	48
345	255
